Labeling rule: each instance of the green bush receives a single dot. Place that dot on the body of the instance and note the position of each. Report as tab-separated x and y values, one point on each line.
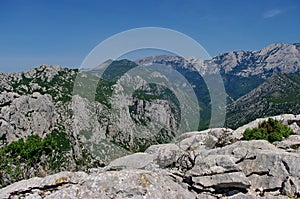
18	157
271	130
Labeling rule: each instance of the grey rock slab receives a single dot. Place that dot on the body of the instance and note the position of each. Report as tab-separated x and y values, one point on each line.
133	184
133	161
52	181
137	184
291	186
213	164
164	154
224	180
290	142
209	138
206	196
250	196
240	149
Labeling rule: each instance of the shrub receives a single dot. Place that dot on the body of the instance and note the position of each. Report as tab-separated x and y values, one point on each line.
271	130
18	157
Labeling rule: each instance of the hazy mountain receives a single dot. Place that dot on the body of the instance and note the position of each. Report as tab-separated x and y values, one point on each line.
241	73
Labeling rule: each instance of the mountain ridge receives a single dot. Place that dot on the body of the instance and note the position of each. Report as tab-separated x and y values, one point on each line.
119	120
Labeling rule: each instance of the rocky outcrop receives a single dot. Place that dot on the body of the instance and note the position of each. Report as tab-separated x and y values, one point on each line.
196	165
110	184
26	115
99	129
287	119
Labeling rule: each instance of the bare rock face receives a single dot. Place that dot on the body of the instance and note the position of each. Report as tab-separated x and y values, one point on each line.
243	169
292	143
26	115
134	161
165	155
111	184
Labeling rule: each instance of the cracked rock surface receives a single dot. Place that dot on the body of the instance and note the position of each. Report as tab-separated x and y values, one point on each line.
199	165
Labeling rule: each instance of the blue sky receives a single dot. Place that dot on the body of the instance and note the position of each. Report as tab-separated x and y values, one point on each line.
64	32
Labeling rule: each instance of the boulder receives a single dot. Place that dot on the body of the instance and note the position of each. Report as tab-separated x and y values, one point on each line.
206	139
133	161
213	164
292	142
165	155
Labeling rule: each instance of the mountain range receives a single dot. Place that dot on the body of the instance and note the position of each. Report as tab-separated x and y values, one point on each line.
241	72
94	120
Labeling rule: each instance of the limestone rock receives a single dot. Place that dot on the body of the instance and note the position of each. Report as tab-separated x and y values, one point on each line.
165	154
292	142
230	180
208	139
111	184
26	115
134	161
213	164
41	184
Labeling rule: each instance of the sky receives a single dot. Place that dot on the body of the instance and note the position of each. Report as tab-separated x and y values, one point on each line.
63	32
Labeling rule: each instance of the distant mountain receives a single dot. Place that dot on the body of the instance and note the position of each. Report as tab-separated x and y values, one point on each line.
241	71
284	58
278	94
244	71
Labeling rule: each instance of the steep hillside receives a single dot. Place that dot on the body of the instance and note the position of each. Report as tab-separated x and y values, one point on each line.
278	94
41	106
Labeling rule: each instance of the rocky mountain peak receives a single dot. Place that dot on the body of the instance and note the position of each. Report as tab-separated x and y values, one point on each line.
280	57
277	57
168	60
280	47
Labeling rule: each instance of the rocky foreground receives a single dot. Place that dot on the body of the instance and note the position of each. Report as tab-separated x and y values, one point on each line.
214	163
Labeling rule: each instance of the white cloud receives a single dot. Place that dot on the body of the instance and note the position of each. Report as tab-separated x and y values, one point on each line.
272	13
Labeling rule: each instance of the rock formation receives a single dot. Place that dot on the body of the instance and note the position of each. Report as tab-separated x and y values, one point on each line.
214	163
